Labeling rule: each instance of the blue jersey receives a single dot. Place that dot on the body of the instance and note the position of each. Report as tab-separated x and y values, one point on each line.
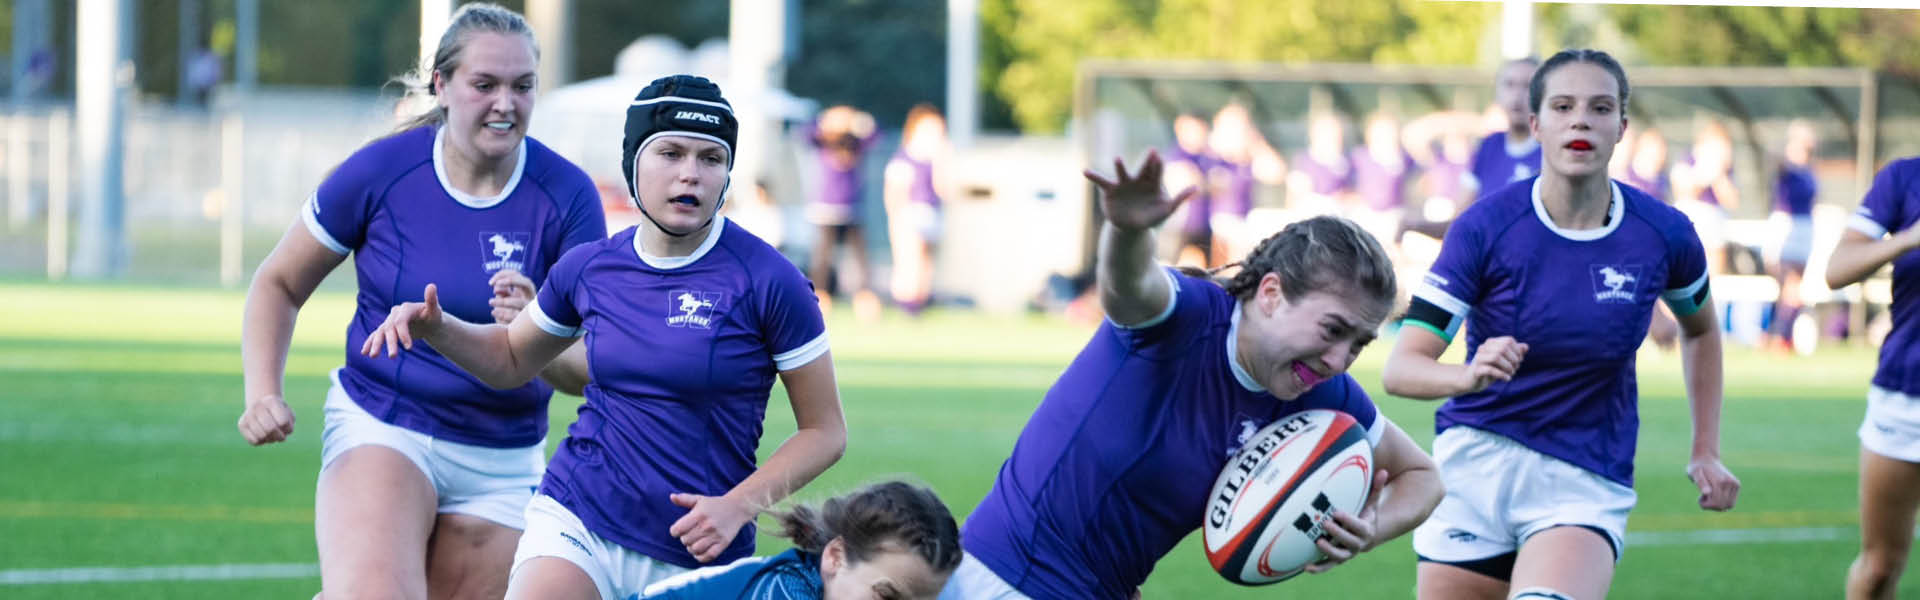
390	205
1579	299
1497	163
1794	190
683	352
1116	464
1891	206
790	575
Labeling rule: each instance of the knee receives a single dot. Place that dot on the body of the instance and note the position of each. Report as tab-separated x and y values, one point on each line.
1880	567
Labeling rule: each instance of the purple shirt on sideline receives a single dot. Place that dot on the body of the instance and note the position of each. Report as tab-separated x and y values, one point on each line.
1495	164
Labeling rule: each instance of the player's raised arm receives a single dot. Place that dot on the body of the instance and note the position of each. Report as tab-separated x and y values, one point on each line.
502	356
1132	287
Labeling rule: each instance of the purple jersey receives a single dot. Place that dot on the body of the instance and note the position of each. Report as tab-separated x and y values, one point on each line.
1199	207
683	352
1794	190
921	191
391	206
1892	205
1234	182
1497	163
1328	178
1446	178
1380	185
838	190
1115	466
1657	186
1579	299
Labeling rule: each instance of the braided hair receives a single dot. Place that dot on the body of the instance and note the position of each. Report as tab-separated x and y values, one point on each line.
890	515
1323	253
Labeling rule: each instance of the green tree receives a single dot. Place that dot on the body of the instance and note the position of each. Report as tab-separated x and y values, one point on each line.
1032	47
1790	36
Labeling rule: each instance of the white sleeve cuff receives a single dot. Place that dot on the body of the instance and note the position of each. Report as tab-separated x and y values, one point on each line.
800	357
1173	299
1379	429
551	326
1862	224
319	232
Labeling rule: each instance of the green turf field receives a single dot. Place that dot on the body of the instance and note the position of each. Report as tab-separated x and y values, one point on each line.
118	448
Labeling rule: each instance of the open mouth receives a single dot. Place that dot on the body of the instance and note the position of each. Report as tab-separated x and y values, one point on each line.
1581	145
685	199
1308	378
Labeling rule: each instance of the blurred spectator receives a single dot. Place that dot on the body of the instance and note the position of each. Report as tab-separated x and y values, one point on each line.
842	136
916	180
1703	189
1320	180
1244	161
1794	190
1188	163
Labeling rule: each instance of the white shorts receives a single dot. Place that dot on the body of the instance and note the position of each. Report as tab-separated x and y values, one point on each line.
1792	239
972	580
1892	426
1499	493
554	531
490	483
924	219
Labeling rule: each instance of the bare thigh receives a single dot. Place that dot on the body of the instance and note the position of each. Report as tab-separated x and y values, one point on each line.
373	512
1574	561
552	577
1889	494
469	557
1441	581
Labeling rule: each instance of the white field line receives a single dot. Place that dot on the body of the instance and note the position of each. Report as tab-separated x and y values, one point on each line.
178	573
1771	535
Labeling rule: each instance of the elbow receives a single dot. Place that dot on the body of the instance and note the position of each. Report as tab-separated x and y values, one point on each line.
835	446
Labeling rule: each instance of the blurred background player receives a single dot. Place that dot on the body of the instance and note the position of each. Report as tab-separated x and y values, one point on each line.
1243	160
1381	170
1883	232
424	477
1190	164
1320	179
1082	509
892	541
1536	443
1504	157
1794	192
1704	190
1645	164
841	137
916	180
690	320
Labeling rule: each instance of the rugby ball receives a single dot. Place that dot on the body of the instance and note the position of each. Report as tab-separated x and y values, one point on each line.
1271	501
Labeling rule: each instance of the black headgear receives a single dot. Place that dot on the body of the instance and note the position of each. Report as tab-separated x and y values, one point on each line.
685	105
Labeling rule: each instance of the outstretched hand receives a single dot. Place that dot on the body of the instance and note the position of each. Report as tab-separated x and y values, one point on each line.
1138	201
401	324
